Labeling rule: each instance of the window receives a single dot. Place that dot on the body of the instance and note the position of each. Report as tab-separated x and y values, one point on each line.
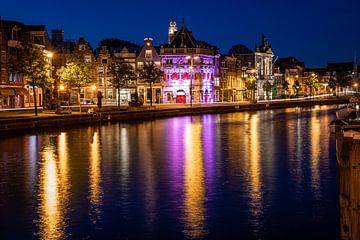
87	59
104	61
101	81
81	47
3	57
148	54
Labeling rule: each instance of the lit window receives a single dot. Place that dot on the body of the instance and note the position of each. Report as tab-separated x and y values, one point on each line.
148	54
87	58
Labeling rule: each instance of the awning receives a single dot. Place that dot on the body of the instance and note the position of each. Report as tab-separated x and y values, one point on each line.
21	91
7	91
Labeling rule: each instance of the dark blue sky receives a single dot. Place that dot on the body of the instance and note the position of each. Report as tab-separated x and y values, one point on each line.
315	31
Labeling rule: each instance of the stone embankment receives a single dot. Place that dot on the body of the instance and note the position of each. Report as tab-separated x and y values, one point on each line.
22	122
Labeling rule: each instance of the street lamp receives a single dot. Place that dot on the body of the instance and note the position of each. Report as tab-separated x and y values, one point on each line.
356	87
191	58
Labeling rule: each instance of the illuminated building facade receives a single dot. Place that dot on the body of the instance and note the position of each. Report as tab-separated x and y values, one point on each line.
232	79
103	76
84	51
14	89
189	66
148	54
261	61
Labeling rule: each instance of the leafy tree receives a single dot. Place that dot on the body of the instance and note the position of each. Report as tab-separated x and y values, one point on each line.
122	73
312	82
267	88
296	86
75	73
285	86
150	73
29	62
332	84
251	86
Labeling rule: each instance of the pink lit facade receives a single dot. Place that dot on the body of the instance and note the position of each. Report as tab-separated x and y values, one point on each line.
179	76
189	64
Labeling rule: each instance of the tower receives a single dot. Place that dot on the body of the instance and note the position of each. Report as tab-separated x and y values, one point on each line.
172	31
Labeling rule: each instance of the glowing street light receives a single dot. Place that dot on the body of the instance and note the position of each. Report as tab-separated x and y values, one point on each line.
191	58
356	86
93	87
49	54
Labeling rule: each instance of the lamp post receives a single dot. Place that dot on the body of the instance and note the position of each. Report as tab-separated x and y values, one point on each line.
356	87
191	58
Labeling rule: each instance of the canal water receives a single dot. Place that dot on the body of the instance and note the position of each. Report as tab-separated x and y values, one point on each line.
248	175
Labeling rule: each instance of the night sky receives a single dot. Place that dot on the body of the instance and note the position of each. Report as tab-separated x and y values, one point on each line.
314	31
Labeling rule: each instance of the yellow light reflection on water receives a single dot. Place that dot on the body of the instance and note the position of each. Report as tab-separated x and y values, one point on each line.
53	197
315	152
194	183
252	142
95	178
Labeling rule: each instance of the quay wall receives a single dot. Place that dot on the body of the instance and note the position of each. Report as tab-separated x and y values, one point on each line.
138	114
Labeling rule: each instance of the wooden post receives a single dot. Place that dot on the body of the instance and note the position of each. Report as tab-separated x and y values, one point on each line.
348	162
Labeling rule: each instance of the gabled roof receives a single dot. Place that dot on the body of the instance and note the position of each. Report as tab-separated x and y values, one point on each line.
148	45
183	38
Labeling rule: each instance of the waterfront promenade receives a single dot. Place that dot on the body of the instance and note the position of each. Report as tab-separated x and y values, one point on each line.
24	119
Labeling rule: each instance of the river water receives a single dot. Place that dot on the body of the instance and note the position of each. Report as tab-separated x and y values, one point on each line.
248	175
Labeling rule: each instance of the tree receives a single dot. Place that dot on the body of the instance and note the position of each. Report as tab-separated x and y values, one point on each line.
267	88
29	61
312	82
122	73
76	73
285	86
150	73
296	86
251	86
332	84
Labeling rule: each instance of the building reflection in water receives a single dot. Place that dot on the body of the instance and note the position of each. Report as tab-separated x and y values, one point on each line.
315	153
252	143
147	136
194	215
54	189
95	192
124	165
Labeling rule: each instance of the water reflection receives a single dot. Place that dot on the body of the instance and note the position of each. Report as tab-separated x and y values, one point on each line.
53	189
252	144
250	174
194	183
95	192
315	153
